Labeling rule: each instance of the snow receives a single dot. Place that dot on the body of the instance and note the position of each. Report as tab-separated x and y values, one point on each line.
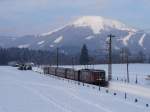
51	45
28	91
89	37
53	31
58	40
24	46
38	69
132	89
98	23
117	48
142	40
142	88
126	39
120	71
41	42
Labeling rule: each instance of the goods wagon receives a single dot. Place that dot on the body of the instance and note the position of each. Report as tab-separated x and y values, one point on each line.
91	76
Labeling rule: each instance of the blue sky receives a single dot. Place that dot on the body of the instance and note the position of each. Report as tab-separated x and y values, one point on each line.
22	17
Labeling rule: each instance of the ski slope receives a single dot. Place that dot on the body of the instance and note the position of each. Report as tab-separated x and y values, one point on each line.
28	91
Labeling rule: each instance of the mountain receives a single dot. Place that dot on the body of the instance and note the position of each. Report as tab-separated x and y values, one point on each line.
91	30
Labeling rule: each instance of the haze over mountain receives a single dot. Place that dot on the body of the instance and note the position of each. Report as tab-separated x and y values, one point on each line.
90	30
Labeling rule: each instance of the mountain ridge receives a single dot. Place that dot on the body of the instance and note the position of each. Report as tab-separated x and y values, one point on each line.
90	30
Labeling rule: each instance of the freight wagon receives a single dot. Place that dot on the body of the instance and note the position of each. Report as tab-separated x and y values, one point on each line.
91	76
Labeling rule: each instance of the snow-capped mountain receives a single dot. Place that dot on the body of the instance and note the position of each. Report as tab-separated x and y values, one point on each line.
90	30
98	24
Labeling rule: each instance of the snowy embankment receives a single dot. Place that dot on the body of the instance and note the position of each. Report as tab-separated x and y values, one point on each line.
28	91
119	74
132	89
120	71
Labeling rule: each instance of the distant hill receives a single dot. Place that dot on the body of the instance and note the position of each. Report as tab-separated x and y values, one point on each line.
91	30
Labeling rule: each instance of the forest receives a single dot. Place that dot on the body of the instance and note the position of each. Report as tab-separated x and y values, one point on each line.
41	57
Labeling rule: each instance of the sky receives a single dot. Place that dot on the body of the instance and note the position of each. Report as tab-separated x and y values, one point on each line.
25	17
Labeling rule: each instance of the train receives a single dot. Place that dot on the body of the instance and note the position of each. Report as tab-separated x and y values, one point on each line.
90	76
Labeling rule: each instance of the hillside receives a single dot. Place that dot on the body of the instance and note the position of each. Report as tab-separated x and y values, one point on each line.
92	30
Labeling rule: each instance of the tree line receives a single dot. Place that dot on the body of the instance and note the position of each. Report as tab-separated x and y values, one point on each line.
118	56
25	55
40	57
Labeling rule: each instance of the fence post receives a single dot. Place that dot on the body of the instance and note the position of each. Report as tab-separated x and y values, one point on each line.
147	105
125	96
136	80
107	90
117	78
136	100
83	83
115	94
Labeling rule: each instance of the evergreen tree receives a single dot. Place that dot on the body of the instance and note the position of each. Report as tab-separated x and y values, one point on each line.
84	57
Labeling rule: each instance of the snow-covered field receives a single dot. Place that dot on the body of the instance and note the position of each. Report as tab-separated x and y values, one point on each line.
120	71
28	91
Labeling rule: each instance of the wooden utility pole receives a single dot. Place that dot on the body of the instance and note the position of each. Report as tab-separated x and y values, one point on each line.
128	79
57	60
110	57
72	62
122	55
125	54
